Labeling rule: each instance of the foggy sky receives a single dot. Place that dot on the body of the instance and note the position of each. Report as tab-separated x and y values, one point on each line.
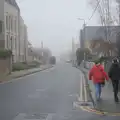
55	21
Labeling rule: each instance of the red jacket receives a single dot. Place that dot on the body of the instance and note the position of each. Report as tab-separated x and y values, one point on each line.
97	74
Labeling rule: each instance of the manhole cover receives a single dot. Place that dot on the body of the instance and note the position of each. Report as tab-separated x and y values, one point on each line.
37	116
23	116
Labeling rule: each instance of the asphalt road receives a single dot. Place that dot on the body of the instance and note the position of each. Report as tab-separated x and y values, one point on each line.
47	95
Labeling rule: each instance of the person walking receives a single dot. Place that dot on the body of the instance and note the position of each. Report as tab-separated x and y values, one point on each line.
98	76
114	75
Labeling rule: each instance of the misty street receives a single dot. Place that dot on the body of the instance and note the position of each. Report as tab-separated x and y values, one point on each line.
48	52
51	92
47	95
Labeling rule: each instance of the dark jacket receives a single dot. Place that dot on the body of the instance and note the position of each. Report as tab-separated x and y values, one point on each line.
114	72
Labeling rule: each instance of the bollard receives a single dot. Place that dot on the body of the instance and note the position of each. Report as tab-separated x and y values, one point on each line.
86	98
84	95
81	99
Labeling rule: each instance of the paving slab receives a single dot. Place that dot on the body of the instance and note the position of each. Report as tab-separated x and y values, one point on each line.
22	73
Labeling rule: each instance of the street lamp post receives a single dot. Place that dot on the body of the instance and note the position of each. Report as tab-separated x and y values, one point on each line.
82	20
84	25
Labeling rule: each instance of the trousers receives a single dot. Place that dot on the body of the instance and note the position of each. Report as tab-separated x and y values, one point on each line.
98	90
115	84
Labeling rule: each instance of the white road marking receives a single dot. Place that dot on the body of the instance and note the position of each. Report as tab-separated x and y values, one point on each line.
50	116
73	95
41	90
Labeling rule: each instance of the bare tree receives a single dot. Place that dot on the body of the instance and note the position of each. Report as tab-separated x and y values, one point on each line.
104	11
108	14
104	47
100	12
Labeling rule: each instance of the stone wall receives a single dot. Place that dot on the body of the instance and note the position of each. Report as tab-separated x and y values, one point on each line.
5	66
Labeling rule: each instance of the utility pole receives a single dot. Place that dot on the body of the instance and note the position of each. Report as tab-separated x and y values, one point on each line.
73	50
84	35
84	25
42	50
42	44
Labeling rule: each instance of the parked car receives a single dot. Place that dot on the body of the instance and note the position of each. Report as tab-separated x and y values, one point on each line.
52	60
68	61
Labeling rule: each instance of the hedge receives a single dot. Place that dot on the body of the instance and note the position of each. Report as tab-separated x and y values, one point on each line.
23	66
100	60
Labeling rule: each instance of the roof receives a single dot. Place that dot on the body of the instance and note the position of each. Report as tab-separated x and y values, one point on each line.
13	3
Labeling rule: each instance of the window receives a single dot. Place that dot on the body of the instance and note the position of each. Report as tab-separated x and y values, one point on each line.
7	25
15	43
15	24
11	23
1	26
11	42
7	41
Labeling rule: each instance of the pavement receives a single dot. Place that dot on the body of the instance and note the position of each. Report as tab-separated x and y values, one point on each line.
107	103
45	95
22	73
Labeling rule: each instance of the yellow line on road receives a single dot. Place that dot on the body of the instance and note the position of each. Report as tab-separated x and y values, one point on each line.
88	109
98	112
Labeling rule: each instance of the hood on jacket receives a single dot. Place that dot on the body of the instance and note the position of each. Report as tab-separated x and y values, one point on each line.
115	61
100	66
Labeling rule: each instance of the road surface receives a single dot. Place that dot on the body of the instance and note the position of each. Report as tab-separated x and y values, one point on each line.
47	95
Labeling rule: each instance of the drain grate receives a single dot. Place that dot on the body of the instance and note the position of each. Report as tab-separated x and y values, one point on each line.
78	104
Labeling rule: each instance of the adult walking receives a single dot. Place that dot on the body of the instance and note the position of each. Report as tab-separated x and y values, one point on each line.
98	76
114	74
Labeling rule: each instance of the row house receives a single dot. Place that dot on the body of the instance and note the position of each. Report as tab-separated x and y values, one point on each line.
11	28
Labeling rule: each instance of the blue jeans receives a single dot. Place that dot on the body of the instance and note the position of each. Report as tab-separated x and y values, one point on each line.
98	90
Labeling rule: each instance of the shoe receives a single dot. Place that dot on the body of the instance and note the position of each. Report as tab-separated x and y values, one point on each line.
98	99
116	99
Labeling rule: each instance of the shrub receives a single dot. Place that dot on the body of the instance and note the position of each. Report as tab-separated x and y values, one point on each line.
5	53
19	66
